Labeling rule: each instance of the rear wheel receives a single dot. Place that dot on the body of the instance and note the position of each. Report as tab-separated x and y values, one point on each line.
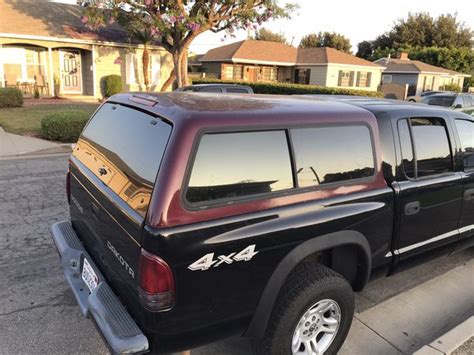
312	315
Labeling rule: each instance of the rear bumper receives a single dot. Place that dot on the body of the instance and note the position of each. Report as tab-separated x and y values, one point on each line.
117	326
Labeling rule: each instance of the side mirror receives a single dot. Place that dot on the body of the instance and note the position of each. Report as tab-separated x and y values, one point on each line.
458	106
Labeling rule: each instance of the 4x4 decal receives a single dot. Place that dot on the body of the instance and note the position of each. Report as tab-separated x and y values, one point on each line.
208	261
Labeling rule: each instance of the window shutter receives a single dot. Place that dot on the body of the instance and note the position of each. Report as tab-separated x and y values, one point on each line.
308	75
369	79
130	69
358	79
351	81
155	68
339	80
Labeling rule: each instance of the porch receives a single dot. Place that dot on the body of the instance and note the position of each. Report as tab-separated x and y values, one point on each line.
47	68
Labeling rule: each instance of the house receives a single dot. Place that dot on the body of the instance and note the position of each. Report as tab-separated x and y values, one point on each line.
253	60
417	75
41	42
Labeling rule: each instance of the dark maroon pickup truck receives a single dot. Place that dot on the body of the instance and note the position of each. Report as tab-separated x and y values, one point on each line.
199	216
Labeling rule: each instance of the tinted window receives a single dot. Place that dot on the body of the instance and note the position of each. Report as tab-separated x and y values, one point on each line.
466	134
332	154
237	90
230	165
432	150
407	148
210	89
123	148
445	101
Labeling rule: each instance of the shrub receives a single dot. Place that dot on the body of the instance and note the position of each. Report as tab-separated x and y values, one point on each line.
112	85
291	89
64	126
451	87
10	97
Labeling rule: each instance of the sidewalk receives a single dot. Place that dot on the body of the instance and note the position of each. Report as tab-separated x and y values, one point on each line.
15	145
435	317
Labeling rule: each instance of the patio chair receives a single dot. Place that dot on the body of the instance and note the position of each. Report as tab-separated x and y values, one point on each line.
11	80
41	84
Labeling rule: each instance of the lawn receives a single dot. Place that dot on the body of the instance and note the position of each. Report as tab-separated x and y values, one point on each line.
27	120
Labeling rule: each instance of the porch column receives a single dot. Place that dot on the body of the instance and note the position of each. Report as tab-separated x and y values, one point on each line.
94	89
51	73
2	74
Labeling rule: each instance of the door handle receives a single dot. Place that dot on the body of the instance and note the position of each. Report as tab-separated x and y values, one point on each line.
469	194
412	208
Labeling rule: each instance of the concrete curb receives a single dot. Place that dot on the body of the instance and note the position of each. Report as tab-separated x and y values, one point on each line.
13	145
450	341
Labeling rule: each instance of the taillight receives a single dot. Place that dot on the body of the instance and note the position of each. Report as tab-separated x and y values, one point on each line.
68	186
157	291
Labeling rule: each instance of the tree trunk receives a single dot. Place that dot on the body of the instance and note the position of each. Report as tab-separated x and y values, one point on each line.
177	68
146	62
184	67
169	81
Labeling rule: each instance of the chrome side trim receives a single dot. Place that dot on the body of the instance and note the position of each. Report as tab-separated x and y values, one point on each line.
429	241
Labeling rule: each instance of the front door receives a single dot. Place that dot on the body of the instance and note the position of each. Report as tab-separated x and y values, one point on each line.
429	190
71	73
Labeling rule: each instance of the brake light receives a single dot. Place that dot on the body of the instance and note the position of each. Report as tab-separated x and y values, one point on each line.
68	186
157	289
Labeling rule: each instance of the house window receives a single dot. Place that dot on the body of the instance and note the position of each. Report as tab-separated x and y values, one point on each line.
228	72
386	79
346	78
269	74
238	71
302	76
22	64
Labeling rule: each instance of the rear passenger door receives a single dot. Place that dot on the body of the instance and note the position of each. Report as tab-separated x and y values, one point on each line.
465	129
429	191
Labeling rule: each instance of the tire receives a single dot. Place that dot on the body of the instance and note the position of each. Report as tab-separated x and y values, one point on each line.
411	100
307	286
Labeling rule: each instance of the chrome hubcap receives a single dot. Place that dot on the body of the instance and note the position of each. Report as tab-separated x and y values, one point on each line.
316	329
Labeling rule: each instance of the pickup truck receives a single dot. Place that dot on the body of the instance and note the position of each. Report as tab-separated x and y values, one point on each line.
199	216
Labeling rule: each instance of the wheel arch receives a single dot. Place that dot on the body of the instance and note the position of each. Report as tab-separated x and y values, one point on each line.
347	242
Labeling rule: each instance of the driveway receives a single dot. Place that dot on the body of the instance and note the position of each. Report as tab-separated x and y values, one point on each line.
38	313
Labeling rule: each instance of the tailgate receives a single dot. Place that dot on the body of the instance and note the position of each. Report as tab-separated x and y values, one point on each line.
113	170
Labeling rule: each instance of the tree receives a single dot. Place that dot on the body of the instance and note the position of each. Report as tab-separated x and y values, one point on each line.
266	35
176	23
419	31
326	39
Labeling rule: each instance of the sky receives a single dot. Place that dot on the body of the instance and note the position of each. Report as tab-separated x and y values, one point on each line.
356	19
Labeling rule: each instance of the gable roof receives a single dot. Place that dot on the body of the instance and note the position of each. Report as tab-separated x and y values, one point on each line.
266	52
41	18
413	66
254	51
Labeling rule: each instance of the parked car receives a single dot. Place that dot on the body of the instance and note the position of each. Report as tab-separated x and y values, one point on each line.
195	217
418	98
222	88
461	101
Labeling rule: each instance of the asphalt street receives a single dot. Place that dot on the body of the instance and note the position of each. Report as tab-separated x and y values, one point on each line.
38	313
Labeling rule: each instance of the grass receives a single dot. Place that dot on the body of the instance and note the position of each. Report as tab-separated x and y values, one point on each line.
27	120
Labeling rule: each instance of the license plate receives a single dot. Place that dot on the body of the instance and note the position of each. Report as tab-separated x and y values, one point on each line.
88	276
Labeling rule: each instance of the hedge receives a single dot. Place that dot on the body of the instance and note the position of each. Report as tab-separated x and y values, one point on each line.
291	89
10	97
112	85
64	126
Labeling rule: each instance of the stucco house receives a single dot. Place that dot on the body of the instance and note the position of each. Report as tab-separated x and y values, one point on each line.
417	75
41	42
253	60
